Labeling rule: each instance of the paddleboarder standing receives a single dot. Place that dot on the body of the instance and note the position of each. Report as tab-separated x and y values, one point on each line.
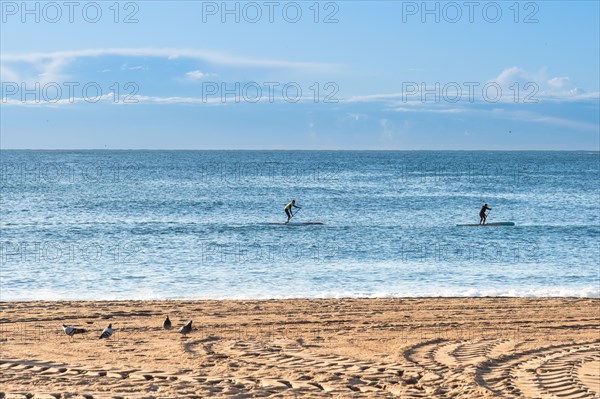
482	215
288	209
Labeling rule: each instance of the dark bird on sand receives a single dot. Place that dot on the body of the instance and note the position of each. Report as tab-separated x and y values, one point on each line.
107	332
70	330
186	329
167	323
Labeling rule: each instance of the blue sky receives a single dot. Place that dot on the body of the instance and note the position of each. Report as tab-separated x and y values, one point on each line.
372	75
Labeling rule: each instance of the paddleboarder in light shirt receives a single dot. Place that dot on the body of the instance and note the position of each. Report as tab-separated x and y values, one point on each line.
288	209
482	215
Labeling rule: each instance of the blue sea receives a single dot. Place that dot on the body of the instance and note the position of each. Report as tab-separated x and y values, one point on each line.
194	224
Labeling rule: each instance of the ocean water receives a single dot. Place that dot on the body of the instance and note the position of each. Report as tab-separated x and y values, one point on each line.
191	224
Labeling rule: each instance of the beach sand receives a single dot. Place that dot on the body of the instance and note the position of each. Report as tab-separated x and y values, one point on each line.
335	348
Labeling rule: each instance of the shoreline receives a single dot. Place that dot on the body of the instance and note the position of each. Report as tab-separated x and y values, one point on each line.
361	298
476	347
307	298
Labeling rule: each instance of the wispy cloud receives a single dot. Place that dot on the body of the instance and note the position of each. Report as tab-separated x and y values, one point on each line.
111	98
511	75
196	75
105	98
528	116
540	83
516	85
168	53
53	67
126	67
439	110
558	81
137	99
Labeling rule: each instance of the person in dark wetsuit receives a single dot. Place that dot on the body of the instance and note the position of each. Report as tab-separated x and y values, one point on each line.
288	209
482	215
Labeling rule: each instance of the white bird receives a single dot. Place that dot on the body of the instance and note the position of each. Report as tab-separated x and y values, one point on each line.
186	329
107	332
70	330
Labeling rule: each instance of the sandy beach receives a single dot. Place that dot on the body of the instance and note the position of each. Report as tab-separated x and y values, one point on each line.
337	348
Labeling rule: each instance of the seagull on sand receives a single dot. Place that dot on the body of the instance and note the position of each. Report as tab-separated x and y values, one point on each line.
107	332
70	330
186	329
167	323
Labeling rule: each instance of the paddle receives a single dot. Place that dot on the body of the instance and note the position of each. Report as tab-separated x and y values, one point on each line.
294	214
487	215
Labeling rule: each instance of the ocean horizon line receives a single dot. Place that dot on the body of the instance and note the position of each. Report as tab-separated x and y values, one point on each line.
292	150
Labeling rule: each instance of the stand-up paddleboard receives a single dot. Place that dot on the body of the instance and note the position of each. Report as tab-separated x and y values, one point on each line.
490	224
294	224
